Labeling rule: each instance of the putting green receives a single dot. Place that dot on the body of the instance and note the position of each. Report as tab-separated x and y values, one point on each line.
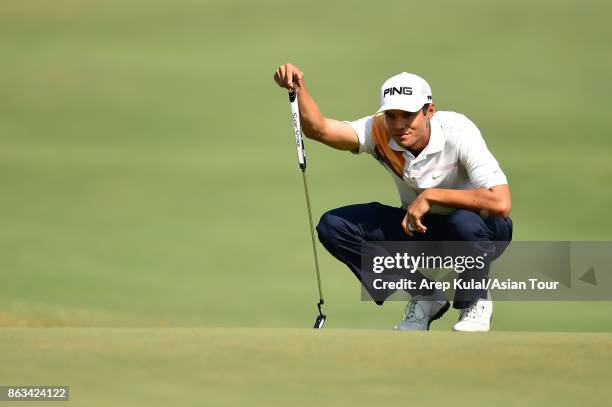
149	178
301	367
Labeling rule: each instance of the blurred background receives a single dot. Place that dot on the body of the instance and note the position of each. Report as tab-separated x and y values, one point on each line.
148	168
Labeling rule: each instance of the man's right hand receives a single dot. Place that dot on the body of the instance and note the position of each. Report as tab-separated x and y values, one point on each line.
289	76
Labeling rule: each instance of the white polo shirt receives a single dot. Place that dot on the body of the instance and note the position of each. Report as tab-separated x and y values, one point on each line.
456	157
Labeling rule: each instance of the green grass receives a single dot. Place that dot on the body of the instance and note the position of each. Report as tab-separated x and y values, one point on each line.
149	178
147	166
237	367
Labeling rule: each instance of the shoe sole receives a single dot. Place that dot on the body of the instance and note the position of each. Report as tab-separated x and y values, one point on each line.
476	330
439	314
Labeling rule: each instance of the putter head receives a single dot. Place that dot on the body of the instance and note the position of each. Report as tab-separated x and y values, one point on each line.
320	321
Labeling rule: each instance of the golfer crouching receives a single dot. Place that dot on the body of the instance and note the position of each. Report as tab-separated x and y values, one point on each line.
451	189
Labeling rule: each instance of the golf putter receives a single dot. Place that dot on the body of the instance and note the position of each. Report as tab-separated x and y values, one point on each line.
299	142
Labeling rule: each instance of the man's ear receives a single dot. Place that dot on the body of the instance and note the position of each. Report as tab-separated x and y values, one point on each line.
431	110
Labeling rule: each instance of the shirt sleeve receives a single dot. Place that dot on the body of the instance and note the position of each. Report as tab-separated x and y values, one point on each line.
363	129
482	168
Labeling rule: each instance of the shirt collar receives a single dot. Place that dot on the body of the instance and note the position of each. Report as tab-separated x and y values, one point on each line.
436	140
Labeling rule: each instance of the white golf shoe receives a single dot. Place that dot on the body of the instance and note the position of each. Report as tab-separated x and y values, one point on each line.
421	312
476	317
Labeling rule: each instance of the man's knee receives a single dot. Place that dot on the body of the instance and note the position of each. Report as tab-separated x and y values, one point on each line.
466	226
330	225
353	223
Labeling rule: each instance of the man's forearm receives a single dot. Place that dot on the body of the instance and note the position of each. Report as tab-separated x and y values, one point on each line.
495	201
313	122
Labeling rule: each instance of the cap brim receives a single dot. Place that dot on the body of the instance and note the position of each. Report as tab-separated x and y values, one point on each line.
400	106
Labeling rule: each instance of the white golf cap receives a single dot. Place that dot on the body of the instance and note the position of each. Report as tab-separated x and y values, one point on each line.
404	91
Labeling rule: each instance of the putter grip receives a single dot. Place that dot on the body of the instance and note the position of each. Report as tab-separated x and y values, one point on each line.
297	129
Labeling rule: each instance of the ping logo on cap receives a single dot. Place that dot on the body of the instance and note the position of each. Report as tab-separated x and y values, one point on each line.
404	90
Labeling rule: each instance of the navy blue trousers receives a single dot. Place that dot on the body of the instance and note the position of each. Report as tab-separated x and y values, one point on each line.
343	230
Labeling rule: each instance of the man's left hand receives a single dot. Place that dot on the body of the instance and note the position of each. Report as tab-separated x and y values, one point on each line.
414	213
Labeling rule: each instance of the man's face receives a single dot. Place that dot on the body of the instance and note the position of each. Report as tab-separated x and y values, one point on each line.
409	130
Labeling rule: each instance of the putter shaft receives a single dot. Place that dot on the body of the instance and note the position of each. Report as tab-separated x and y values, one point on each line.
312	237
